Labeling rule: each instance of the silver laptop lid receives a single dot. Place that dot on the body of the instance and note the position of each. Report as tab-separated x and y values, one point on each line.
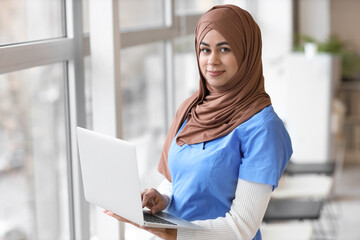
107	183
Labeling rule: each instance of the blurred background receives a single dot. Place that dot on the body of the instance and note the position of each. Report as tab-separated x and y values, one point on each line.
123	67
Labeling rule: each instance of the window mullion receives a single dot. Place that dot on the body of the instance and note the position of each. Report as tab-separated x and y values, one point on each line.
75	109
106	89
144	36
32	54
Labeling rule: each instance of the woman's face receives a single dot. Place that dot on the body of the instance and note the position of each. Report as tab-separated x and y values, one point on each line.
216	59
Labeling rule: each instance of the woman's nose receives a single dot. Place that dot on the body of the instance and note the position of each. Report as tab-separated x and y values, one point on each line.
214	58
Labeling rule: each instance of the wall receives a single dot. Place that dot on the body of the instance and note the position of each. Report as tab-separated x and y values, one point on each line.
322	18
276	31
344	18
314	18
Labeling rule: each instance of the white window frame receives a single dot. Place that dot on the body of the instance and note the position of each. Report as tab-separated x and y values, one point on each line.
69	50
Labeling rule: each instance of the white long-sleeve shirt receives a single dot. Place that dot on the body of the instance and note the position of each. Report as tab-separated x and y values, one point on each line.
241	222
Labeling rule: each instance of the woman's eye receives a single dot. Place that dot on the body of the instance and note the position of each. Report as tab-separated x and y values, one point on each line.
205	50
225	49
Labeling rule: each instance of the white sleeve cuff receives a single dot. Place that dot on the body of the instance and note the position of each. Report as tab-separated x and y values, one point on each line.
165	188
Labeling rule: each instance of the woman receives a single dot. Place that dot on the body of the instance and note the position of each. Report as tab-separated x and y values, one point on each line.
226	148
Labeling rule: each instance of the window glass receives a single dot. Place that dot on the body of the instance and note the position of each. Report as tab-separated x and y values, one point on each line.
88	91
141	13
193	6
143	90
85	12
144	121
33	157
93	210
201	6
29	20
186	73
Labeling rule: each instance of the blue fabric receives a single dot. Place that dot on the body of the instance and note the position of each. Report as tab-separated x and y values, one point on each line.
204	175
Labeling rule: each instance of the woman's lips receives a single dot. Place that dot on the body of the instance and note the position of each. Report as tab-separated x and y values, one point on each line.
215	73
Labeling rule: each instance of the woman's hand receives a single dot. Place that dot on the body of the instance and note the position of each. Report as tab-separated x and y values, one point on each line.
153	200
156	202
164	233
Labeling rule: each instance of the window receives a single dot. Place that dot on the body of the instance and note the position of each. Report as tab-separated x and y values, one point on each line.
193	6
186	73
29	20
85	12
33	156
144	118
142	13
38	111
87	89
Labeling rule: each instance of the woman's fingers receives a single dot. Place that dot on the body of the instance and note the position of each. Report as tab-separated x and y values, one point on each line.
150	198
160	232
125	220
155	201
121	219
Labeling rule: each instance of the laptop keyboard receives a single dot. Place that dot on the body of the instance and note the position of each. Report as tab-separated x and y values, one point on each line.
154	219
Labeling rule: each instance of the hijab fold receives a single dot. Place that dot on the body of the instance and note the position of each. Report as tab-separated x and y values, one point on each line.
215	112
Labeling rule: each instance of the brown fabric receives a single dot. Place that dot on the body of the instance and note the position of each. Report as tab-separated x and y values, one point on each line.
213	113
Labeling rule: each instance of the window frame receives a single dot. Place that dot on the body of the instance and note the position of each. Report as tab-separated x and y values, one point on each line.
176	26
71	50
68	50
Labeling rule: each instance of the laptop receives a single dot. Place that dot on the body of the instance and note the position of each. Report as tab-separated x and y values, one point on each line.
111	181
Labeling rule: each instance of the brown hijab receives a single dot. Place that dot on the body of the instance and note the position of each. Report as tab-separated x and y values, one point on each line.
212	113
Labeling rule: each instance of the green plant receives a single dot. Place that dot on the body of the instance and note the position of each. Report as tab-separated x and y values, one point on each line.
350	61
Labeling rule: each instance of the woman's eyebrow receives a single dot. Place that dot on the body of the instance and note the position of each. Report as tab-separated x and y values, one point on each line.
217	45
222	43
202	43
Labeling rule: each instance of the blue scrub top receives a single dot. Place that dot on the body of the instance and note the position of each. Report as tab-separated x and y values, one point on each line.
204	175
